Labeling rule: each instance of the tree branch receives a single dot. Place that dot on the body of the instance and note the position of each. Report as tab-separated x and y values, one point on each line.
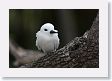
81	52
21	55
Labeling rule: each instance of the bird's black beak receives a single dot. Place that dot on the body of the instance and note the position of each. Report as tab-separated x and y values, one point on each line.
51	32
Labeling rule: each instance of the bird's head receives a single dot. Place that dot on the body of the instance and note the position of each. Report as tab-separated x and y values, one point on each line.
48	28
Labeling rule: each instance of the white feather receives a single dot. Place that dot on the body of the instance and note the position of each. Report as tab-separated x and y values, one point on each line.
45	41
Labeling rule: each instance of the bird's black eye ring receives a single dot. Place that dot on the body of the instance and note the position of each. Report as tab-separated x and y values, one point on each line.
45	29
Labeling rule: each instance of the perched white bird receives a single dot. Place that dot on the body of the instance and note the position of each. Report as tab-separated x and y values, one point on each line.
47	38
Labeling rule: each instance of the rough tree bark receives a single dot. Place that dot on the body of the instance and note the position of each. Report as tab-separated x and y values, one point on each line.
81	52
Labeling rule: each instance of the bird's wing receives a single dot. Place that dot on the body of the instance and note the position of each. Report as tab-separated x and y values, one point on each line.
37	44
56	44
38	41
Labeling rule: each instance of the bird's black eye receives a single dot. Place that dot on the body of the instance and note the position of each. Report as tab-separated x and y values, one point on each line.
45	29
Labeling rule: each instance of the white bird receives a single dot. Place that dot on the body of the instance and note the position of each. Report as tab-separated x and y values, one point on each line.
47	38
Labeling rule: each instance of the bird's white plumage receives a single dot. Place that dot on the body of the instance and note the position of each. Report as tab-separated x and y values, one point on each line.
47	38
